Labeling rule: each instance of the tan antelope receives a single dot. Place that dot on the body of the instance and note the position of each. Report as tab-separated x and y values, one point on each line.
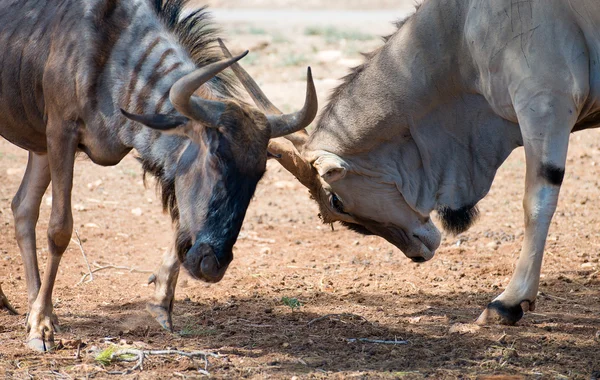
104	77
426	121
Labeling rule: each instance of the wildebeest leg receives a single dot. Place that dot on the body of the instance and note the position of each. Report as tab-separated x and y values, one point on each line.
26	210
165	281
62	146
545	125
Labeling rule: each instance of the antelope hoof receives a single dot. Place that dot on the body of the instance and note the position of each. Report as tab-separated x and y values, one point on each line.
41	336
162	315
498	312
54	319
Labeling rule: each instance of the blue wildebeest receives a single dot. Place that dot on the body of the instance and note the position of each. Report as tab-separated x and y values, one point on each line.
424	124
86	76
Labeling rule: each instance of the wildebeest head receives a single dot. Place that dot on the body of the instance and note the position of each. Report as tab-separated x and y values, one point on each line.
218	171
347	194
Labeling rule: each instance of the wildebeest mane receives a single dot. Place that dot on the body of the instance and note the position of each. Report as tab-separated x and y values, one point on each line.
198	36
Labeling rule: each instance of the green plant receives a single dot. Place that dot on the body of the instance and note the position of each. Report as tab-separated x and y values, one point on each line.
105	357
292	303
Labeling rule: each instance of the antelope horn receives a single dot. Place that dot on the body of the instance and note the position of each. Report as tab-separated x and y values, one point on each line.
182	93
281	125
294	163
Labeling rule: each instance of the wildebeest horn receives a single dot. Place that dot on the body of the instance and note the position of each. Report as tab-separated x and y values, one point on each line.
182	92
281	125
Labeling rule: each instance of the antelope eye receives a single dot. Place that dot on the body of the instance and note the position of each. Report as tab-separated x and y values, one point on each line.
337	204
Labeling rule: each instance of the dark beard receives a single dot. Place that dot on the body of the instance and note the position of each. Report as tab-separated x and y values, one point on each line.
458	221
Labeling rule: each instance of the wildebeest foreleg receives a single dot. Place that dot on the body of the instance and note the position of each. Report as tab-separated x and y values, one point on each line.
165	280
26	211
62	146
545	126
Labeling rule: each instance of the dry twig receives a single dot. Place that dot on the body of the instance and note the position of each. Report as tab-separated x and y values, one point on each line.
80	244
337	317
139	356
131	270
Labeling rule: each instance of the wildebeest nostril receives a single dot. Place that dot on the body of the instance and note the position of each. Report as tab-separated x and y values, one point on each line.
418	259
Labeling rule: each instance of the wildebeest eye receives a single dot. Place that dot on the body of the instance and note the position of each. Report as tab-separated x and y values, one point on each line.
337	204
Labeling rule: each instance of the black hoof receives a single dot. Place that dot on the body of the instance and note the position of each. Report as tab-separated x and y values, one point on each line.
499	313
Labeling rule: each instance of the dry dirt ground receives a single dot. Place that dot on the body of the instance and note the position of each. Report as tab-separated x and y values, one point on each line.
284	251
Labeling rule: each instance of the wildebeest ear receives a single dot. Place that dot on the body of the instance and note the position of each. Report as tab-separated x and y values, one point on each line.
163	123
331	167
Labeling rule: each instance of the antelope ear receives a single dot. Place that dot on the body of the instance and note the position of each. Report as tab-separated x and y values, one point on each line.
331	167
163	123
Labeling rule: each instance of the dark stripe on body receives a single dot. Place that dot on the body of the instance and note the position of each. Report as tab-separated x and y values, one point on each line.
135	72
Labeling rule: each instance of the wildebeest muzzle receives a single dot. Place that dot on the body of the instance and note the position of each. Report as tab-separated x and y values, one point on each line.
203	263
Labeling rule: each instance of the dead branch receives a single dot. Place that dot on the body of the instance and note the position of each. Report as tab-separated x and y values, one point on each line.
376	341
337	317
4	304
130	270
80	244
140	355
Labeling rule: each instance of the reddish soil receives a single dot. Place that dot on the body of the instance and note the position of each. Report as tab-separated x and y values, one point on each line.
285	251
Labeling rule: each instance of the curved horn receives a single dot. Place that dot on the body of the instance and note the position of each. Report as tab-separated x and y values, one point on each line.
181	93
281	125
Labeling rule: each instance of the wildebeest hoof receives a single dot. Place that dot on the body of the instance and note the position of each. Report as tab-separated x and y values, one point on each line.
498	312
162	315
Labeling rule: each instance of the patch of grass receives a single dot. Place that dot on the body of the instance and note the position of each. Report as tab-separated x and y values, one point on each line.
332	34
292	303
105	357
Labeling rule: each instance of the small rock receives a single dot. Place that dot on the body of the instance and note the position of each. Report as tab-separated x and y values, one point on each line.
492	245
94	185
137	211
48	200
91	225
285	345
587	265
269	310
414	320
79	207
265	251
